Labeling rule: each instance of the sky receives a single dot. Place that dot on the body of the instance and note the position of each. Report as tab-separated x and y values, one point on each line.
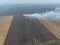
2	2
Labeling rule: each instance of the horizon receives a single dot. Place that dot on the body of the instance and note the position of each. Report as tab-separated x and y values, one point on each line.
7	2
28	4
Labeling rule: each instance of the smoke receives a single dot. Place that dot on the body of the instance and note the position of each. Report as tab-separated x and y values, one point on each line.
52	15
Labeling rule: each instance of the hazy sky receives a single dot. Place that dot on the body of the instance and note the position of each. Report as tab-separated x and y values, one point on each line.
2	2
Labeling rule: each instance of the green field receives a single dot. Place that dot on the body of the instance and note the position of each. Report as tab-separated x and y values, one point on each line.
54	43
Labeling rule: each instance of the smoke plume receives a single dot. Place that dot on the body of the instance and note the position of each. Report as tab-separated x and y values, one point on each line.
52	15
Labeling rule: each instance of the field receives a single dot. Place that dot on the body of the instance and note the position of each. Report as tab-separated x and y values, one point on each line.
27	31
53	43
5	22
53	27
16	29
17	34
39	31
24	30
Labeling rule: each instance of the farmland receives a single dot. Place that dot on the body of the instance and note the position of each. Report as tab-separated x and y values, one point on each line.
27	31
53	27
5	22
17	29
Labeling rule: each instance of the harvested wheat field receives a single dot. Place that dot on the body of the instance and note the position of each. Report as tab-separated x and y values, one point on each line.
53	26
5	22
